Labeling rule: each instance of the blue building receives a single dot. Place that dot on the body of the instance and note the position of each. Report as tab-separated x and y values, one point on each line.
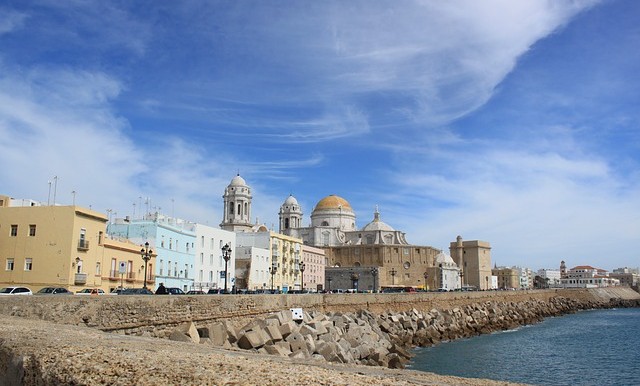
172	241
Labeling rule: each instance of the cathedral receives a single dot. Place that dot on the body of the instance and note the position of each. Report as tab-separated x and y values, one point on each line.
369	258
373	257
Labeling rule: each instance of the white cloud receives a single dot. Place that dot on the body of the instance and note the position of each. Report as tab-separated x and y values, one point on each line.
11	20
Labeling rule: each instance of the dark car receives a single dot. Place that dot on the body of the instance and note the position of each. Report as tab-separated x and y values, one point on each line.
215	291
174	291
54	291
136	291
195	292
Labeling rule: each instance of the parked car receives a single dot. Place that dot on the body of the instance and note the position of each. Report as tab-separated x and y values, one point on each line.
15	291
91	291
174	291
136	291
215	291
195	292
54	291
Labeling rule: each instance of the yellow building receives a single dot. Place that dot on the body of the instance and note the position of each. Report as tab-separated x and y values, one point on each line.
65	246
283	266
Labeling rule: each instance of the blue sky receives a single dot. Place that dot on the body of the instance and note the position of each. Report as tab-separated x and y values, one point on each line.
513	122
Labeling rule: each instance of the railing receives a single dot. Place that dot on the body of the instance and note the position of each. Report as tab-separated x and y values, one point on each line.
83	245
130	276
80	278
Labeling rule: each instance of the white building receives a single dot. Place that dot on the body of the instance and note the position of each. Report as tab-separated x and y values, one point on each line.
209	260
551	277
586	276
447	273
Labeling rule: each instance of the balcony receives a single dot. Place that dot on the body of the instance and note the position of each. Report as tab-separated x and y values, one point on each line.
130	276
80	279
83	245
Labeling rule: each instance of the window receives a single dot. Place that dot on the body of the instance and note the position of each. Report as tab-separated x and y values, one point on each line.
202	241
201	258
28	264
32	230
14	230
98	269
161	267
211	259
9	264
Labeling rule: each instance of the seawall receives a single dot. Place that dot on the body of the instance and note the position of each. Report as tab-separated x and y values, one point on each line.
45	340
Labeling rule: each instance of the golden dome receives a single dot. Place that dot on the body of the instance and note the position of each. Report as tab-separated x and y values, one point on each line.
333	202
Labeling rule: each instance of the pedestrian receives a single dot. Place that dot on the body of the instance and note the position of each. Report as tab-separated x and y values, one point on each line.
161	290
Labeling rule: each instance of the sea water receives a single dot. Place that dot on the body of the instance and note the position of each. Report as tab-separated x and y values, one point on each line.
596	347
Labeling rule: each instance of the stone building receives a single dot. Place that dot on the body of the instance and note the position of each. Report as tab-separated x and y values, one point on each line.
376	245
474	259
508	277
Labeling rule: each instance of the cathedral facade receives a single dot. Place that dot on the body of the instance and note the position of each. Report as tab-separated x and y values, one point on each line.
377	245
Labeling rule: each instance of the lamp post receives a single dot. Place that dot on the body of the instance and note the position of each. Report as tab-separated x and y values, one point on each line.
272	270
146	256
226	255
302	267
461	277
374	273
393	275
329	281
426	276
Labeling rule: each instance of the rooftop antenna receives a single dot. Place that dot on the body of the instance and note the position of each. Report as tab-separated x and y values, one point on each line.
73	192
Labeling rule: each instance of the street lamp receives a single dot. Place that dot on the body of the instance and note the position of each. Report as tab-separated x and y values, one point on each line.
146	256
272	270
426	276
393	275
374	273
302	267
461	277
329	281
226	255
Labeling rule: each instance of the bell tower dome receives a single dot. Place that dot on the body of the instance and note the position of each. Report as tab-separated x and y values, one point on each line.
290	216
237	206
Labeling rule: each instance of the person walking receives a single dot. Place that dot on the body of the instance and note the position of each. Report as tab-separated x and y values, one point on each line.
161	290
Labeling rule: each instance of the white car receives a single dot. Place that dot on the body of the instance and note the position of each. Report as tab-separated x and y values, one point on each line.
15	291
91	291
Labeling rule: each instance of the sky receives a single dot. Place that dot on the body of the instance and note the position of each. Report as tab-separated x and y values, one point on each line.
511	122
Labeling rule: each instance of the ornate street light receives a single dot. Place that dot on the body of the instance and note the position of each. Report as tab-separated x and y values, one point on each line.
374	273
426	276
226	255
146	256
272	270
302	267
461	279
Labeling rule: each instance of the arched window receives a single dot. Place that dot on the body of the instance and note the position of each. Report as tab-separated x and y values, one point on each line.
286	223
239	208
324	224
231	207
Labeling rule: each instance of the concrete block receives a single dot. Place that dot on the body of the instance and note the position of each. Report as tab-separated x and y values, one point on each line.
274	333
297	342
278	350
251	339
287	328
190	330
180	336
306	329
